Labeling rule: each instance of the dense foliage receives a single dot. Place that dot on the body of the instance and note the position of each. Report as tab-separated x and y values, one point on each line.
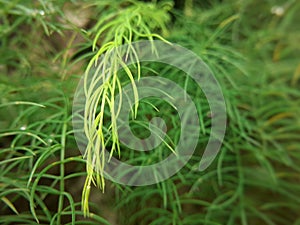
251	46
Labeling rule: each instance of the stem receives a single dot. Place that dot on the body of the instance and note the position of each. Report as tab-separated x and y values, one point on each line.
188	8
62	170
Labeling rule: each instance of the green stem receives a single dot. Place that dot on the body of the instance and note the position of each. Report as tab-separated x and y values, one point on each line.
62	171
188	8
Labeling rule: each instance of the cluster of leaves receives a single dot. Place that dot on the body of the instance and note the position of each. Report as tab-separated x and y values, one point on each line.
252	48
254	55
102	80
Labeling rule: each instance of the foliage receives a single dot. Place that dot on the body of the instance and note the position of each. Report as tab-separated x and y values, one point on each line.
252	48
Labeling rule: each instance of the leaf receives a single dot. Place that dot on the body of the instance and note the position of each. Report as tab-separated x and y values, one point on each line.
9	204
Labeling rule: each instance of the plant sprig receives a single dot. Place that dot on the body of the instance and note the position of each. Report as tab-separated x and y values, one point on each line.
102	82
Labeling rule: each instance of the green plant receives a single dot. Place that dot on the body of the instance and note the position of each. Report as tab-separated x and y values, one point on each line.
117	27
252	48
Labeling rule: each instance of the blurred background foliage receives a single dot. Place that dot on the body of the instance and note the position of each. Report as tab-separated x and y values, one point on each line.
253	49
